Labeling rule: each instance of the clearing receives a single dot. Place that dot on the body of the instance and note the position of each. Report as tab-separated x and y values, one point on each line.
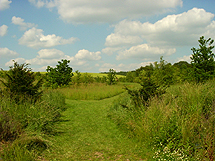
88	134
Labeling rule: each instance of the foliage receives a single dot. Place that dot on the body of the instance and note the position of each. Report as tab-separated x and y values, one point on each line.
141	96
163	73
93	91
20	82
24	126
203	60
111	78
60	75
178	125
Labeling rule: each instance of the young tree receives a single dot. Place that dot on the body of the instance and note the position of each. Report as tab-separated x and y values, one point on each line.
203	60
111	78
20	82
60	75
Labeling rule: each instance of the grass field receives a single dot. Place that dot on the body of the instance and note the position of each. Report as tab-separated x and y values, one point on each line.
89	135
93	74
94	91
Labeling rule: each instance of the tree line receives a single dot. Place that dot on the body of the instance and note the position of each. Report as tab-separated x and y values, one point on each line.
20	78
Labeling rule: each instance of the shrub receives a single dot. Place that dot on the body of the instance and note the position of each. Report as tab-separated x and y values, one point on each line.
111	78
203	60
20	82
181	122
60	75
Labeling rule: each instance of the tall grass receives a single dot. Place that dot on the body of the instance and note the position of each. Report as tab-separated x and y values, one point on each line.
25	127
94	91
179	126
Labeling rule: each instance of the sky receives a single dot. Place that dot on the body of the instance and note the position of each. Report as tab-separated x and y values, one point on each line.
98	35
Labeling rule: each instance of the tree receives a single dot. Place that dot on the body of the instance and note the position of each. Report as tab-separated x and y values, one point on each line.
60	75
21	82
111	78
203	60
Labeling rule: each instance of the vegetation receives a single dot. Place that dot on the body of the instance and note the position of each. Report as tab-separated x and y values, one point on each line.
167	114
203	60
20	82
60	75
178	126
94	91
111	79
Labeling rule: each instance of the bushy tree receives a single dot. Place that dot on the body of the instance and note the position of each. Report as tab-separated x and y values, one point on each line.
203	60
20	82
60	75
111	78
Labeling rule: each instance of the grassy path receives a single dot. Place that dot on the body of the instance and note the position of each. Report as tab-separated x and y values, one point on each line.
90	135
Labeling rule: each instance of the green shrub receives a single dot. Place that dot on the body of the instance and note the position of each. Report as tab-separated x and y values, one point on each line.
60	75
181	122
20	82
24	125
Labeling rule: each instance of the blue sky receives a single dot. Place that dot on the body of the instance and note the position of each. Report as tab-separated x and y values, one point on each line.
98	35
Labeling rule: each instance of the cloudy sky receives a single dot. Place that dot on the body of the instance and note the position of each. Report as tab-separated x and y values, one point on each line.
96	35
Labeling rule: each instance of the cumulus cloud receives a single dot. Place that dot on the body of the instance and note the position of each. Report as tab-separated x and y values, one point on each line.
119	40
87	55
110	50
23	25
34	38
50	54
122	67
50	57
18	60
37	3
3	30
173	30
144	51
185	58
107	10
4	4
5	52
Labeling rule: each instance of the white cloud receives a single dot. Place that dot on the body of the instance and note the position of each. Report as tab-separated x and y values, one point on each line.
122	67
185	58
5	52
23	25
50	57
37	3
88	11
3	30
87	55
110	50
144	51
42	3
4	4
173	30
34	38
50	54
18	60
119	40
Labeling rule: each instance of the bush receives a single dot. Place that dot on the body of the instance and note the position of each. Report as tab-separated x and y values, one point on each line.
60	75
20	82
24	125
180	123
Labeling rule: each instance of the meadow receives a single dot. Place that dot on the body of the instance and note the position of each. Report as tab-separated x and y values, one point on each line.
96	121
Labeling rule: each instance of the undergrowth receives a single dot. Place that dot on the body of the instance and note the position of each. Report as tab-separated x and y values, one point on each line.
94	91
180	125
25	127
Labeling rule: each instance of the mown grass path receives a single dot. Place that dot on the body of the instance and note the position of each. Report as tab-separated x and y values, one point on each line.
90	135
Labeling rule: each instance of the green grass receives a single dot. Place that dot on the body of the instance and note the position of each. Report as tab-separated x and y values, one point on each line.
178	126
88	134
25	127
94	91
93	74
